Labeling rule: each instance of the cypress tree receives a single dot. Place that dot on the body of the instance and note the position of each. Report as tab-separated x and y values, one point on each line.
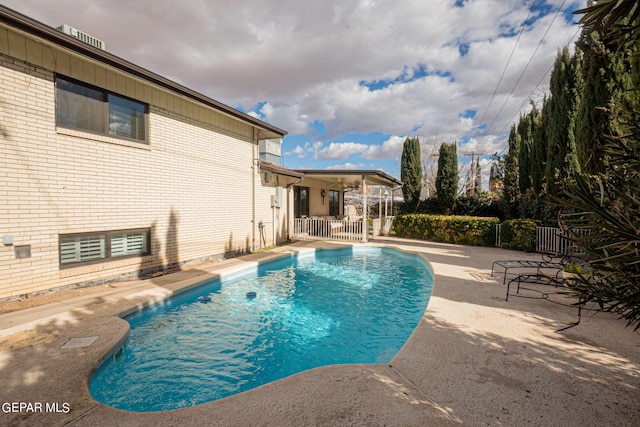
539	148
447	177
411	173
560	120
511	186
525	130
609	53
592	118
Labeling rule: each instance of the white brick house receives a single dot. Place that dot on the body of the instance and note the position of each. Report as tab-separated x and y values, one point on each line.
108	170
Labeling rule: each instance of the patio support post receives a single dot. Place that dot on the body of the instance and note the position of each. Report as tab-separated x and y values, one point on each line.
288	216
365	225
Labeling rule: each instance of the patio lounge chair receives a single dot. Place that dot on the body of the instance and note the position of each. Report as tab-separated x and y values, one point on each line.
537	279
547	263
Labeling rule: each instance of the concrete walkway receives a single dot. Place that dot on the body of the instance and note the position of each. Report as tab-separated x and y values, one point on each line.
475	359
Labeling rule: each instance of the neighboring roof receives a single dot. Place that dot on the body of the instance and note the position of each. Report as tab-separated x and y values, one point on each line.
31	26
352	178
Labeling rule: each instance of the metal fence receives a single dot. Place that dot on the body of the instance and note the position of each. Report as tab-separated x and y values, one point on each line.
549	240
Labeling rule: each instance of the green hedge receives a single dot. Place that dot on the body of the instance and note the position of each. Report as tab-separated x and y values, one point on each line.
519	234
461	230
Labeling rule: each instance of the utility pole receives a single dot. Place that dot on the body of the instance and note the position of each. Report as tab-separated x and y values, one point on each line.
475	164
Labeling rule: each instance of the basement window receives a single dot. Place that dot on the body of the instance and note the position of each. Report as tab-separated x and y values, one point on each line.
85	248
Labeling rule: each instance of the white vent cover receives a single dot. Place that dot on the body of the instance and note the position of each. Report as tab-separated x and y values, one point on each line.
74	32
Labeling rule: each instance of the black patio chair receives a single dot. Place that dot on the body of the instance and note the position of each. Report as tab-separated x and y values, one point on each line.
546	263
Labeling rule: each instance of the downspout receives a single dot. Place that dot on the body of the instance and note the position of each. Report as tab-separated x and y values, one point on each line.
254	162
365	225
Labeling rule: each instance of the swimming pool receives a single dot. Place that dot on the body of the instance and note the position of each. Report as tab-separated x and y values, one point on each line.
355	305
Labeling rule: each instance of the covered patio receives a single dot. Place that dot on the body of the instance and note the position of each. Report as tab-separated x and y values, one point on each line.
315	217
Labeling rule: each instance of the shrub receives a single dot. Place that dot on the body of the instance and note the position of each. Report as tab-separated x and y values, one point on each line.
519	234
462	230
484	205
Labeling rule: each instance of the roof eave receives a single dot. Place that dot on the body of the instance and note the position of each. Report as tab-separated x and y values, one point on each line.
31	26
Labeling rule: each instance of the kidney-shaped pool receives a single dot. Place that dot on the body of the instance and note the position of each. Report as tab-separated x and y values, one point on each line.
355	305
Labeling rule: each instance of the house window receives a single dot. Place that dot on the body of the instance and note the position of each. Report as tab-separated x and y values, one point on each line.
126	118
84	107
102	246
301	201
76	249
334	202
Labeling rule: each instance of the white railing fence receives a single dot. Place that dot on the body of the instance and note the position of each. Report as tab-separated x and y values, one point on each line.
549	240
555	240
330	229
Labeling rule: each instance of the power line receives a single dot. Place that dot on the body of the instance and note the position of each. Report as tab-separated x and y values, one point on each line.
508	61
527	66
508	123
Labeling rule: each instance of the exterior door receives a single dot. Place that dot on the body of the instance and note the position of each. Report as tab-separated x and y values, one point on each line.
301	201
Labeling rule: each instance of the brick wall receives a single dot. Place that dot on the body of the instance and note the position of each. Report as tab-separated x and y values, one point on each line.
193	185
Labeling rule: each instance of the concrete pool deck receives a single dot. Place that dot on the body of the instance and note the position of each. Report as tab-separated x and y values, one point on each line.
474	359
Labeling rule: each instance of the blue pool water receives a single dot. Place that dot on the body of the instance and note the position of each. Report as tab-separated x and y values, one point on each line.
338	306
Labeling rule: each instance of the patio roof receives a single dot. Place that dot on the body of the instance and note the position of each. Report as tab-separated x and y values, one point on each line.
273	175
352	178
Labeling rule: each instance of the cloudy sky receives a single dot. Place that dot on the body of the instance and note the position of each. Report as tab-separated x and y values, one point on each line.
348	79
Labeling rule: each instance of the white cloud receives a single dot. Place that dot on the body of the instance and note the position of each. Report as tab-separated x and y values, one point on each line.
298	152
485	145
345	166
255	114
390	149
307	59
340	150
